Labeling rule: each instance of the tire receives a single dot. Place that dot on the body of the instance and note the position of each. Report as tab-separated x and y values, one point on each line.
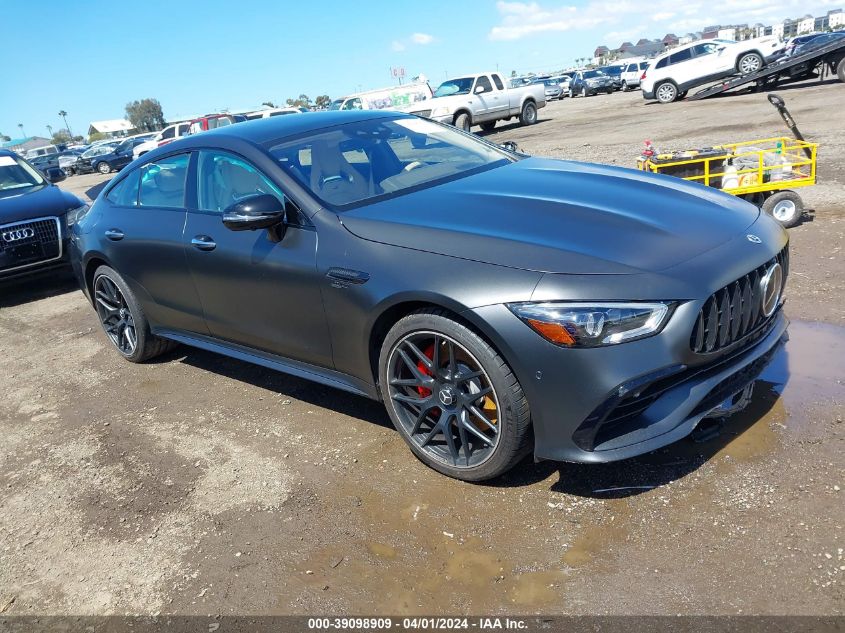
462	122
584	91
528	114
625	87
840	70
749	63
682	95
510	415
489	126
147	345
666	92
103	167
571	93
610	90
785	206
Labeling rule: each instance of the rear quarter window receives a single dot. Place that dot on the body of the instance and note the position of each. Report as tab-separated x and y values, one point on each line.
125	193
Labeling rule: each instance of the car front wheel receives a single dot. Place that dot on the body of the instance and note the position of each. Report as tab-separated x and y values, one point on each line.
104	168
462	122
453	399
122	319
666	92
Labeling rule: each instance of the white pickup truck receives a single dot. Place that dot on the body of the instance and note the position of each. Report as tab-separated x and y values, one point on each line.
481	100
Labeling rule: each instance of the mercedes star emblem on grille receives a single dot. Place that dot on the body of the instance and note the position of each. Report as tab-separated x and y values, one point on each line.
16	235
770	285
753	239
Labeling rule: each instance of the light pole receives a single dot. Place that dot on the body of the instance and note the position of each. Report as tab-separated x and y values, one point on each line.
50	131
63	114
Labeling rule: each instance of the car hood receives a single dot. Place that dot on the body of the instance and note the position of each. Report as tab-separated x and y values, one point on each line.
45	202
559	216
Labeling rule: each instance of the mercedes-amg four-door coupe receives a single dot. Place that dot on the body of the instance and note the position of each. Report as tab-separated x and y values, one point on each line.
498	304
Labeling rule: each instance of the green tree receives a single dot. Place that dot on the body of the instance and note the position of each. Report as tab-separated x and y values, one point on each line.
145	115
269	104
4	138
61	137
323	101
96	136
304	100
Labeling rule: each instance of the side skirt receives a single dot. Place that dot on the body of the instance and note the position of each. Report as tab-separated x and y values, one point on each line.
322	375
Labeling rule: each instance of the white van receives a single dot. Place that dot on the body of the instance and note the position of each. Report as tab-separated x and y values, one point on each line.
385	98
41	151
631	73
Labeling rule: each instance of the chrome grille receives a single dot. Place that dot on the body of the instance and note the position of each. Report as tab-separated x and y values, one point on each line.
19	249
44	231
734	312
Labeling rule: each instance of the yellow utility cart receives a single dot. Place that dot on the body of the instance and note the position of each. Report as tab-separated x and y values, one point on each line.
763	171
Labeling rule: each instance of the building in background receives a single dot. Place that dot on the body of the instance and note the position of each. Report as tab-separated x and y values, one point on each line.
112	128
22	145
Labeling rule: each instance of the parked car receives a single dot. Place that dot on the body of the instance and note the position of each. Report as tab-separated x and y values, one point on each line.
167	135
614	71
815	43
481	100
517	82
497	304
213	121
107	158
269	112
45	162
631	75
34	217
552	89
563	81
672	74
67	160
590	82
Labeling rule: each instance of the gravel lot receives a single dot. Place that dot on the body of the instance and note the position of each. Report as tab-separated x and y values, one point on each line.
199	484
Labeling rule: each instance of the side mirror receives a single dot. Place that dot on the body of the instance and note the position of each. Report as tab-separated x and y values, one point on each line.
261	211
54	174
478	90
510	146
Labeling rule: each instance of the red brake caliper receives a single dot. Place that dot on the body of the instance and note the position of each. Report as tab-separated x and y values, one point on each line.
425	392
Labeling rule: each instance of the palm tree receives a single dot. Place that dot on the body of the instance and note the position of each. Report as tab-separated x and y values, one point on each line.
63	114
50	130
20	125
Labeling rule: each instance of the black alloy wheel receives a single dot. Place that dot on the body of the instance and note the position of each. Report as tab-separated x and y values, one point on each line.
115	315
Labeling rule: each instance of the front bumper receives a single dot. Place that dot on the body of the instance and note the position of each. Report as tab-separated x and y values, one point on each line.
578	397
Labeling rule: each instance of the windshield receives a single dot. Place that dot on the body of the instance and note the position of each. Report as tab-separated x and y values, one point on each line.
590	74
17	176
336	104
346	165
552	82
460	86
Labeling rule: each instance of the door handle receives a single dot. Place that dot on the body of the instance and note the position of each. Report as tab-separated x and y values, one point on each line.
204	243
115	235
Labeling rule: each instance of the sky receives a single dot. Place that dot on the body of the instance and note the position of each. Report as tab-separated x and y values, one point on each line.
91	57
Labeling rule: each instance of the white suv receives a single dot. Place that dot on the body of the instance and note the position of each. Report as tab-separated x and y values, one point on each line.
631	74
168	134
671	75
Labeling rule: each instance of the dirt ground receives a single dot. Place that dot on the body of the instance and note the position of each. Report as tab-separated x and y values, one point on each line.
198	484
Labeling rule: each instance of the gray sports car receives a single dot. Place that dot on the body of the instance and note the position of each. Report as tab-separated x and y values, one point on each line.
497	304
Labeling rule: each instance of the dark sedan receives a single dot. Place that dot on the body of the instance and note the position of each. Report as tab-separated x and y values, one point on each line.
497	304
34	217
106	158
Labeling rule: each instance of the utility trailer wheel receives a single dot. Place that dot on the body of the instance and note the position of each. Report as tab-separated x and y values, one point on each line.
784	206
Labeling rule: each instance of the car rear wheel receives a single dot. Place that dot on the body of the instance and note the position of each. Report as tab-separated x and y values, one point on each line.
123	320
571	93
583	91
528	115
489	126
625	86
666	92
785	206
453	399
104	168
749	63
840	70
462	122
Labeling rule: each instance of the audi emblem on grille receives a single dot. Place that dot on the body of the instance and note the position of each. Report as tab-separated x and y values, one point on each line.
16	235
770	287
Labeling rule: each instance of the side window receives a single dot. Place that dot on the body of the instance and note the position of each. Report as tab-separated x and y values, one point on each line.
183	129
168	132
680	56
352	104
223	179
484	83
125	193
498	81
163	182
662	63
704	49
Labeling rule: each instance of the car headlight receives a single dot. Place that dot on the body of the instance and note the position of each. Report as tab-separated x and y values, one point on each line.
441	111
593	324
75	215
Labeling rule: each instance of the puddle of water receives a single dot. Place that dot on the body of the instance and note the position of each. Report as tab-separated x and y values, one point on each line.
381	550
